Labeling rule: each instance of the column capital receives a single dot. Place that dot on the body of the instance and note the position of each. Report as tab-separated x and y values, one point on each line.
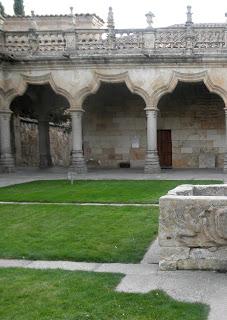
151	112
5	111
225	109
76	110
5	114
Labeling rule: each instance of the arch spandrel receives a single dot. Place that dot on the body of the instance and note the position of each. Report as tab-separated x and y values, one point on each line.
177	76
122	77
21	86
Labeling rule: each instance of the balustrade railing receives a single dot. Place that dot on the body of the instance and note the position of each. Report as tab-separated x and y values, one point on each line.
178	39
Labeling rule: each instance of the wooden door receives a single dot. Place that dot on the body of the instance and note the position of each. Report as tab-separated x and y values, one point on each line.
165	148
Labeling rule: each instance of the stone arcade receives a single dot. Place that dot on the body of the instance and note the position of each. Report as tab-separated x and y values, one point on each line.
146	98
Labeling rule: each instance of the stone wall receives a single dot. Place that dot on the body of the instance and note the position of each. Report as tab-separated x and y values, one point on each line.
196	120
114	128
26	144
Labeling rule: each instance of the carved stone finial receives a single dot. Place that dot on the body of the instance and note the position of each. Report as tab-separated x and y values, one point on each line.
189	21
110	19
150	17
73	16
33	22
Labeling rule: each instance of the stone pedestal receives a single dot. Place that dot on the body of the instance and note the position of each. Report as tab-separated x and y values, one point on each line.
192	228
7	163
152	160
78	163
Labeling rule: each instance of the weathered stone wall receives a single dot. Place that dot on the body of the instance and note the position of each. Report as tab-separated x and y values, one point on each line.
60	146
114	128
196	120
29	149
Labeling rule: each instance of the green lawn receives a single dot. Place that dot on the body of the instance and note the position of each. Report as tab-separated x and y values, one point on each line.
145	191
64	295
52	232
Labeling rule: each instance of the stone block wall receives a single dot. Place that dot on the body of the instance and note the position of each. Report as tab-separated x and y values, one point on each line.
197	123
115	134
196	135
27	147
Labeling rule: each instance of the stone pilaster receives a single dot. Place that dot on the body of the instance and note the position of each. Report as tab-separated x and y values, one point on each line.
7	163
152	160
225	155
78	163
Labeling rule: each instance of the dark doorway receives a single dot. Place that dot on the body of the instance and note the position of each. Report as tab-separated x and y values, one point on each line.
165	148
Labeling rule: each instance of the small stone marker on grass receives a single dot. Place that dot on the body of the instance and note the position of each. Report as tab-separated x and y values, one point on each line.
71	176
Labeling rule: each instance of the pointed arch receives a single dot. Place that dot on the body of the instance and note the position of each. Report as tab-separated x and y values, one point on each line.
100	78
26	80
188	77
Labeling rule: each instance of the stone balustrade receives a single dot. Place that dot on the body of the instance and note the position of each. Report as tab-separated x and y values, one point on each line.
194	39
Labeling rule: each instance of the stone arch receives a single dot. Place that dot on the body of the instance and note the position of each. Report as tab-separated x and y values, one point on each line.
38	80
100	78
188	77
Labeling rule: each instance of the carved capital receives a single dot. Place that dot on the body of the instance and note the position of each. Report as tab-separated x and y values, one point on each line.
151	113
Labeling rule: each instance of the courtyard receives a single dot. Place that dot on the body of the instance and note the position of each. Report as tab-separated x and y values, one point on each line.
97	125
87	250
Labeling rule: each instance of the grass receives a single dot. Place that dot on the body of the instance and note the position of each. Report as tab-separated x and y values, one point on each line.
100	234
64	295
145	191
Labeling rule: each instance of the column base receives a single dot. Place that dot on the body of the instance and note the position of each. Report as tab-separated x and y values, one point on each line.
152	162
45	161
7	164
225	163
78	163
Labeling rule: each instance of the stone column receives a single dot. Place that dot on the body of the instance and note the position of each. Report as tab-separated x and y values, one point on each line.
152	160
7	163
78	163
17	136
225	154
45	160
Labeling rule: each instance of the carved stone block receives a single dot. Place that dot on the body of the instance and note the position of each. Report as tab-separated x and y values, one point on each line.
193	221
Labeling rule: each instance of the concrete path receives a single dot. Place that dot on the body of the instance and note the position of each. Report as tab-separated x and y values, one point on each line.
27	175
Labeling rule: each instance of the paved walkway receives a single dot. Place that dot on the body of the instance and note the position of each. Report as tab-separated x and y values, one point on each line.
26	175
83	204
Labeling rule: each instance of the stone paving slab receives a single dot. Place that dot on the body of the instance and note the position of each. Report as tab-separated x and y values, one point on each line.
82	204
135	269
11	263
152	254
80	266
63	265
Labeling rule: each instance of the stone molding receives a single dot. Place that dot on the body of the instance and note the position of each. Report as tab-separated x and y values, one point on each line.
122	77
188	77
38	79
